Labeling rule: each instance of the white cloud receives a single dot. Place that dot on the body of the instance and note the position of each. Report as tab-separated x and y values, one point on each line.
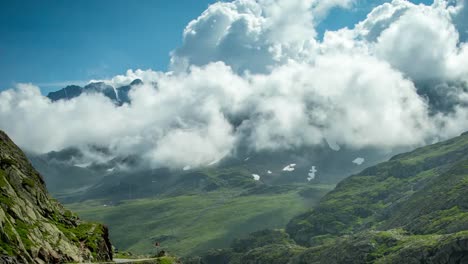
253	35
420	43
381	18
460	15
190	130
351	100
147	76
356	88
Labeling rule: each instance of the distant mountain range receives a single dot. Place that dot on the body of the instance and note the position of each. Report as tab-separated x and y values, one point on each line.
254	191
119	95
70	177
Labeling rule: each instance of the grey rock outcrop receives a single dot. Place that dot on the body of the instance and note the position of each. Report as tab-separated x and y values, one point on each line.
34	228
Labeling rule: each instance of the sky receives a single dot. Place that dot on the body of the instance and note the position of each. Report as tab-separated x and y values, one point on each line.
47	42
245	76
57	43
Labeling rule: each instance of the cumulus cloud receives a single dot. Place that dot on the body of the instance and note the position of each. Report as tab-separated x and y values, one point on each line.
423	36
252	73
253	35
460	18
159	124
352	100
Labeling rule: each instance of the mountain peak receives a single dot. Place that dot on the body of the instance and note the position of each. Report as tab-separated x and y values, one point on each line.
118	95
136	82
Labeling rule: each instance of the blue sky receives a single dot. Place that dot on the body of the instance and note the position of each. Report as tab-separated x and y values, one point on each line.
53	43
275	90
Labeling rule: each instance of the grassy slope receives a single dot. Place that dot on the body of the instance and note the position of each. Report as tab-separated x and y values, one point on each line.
392	194
411	209
188	224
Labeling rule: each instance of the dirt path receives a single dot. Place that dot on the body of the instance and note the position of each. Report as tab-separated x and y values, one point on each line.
128	261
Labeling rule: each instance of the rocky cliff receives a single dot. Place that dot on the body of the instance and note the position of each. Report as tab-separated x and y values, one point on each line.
34	228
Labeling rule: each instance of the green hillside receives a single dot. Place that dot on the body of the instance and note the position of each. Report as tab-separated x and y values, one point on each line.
414	191
410	209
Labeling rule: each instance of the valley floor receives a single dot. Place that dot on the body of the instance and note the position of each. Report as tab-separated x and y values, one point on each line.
190	224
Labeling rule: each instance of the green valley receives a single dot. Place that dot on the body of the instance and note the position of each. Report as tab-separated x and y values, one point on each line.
190	224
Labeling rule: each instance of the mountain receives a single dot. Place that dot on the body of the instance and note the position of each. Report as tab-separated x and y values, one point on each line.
186	208
34	228
410	191
119	95
72	176
410	209
62	176
187	211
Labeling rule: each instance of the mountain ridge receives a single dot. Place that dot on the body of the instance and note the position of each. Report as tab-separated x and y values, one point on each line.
119	95
409	209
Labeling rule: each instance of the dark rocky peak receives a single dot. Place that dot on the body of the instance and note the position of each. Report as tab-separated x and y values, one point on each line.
64	155
118	95
67	93
101	87
136	82
123	91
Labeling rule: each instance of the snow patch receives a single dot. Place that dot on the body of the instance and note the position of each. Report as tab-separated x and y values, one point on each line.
83	165
214	162
269	172
186	168
311	173
333	145
359	161
290	167
218	159
256	177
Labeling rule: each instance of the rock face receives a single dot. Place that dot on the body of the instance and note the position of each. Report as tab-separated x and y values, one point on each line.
35	228
118	95
410	209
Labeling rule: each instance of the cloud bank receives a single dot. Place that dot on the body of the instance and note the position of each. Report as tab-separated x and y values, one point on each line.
253	73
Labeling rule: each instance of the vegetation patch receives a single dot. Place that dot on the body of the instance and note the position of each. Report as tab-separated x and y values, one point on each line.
6	201
23	229
28	182
193	223
6	243
3	179
6	163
